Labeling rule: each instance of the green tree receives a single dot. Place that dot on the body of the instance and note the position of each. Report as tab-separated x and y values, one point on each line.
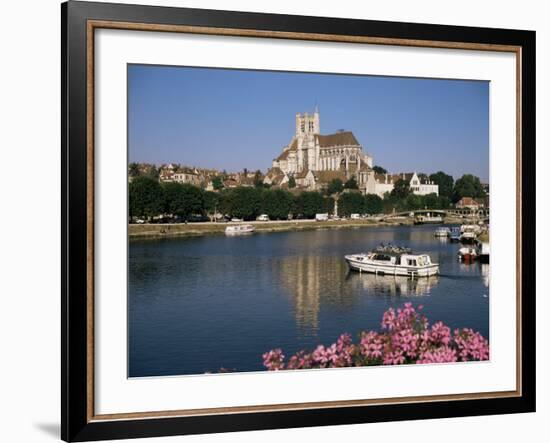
445	183
183	200
351	183
291	182
153	172
133	170
328	205
245	203
258	179
217	183
444	202
211	202
413	201
146	197
373	204
335	186
309	203
432	201
468	186
351	203
401	189
277	204
379	170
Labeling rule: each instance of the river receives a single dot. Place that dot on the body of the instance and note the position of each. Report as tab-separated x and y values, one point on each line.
201	304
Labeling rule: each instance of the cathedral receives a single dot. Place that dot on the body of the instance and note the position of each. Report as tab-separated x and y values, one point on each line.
313	159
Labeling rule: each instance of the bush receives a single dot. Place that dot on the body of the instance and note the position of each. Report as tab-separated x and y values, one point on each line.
407	338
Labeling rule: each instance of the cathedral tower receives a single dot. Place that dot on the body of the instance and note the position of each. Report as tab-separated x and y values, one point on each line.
307	124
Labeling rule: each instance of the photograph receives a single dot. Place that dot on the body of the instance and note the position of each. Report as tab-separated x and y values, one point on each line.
283	220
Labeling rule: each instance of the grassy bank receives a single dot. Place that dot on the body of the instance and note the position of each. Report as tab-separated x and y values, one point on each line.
198	229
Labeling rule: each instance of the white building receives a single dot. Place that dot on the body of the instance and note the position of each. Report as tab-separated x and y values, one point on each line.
379	184
309	154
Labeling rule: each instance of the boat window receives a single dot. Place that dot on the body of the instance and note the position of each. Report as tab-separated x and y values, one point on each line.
382	257
411	262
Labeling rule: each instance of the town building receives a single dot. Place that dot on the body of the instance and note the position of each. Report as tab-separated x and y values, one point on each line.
379	184
469	203
314	159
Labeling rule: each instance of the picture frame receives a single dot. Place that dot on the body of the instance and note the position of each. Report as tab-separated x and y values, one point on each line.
80	21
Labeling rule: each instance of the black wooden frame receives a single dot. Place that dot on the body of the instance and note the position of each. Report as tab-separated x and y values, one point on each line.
75	425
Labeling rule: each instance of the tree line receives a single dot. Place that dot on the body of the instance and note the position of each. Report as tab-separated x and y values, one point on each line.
148	198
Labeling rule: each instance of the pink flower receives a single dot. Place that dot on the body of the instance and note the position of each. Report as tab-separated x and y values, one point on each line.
406	338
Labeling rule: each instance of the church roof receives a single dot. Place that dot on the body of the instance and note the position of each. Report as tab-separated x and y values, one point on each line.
302	174
292	147
345	138
328	176
274	171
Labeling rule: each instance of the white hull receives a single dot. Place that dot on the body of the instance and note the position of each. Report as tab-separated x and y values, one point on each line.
391	269
239	230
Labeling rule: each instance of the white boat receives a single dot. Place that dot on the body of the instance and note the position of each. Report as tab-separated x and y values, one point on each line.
442	232
468	237
393	260
239	229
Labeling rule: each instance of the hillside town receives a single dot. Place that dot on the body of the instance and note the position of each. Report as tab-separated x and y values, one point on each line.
335	167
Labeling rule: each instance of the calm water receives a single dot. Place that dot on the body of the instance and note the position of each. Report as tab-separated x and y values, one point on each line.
201	304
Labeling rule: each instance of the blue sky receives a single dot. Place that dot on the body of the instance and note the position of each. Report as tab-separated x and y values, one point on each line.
235	119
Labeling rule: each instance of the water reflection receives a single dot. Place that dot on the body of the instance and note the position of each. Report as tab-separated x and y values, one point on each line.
197	305
394	285
485	273
313	282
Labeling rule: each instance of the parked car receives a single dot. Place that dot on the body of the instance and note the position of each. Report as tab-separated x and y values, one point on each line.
262	217
355	216
321	217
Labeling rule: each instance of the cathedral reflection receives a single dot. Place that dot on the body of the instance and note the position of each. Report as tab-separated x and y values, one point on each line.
316	282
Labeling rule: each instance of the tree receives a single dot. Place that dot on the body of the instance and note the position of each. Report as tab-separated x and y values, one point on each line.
133	170
277	204
445	183
309	203
153	172
291	182
401	189
351	183
468	186
413	202
211	202
183	200
335	186
372	204
245	203
432	201
379	170
351	203
146	197
328	205
258	179
217	183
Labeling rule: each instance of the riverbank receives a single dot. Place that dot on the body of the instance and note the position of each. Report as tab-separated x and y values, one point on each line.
206	228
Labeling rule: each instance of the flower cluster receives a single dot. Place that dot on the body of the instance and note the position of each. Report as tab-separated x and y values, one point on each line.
406	337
